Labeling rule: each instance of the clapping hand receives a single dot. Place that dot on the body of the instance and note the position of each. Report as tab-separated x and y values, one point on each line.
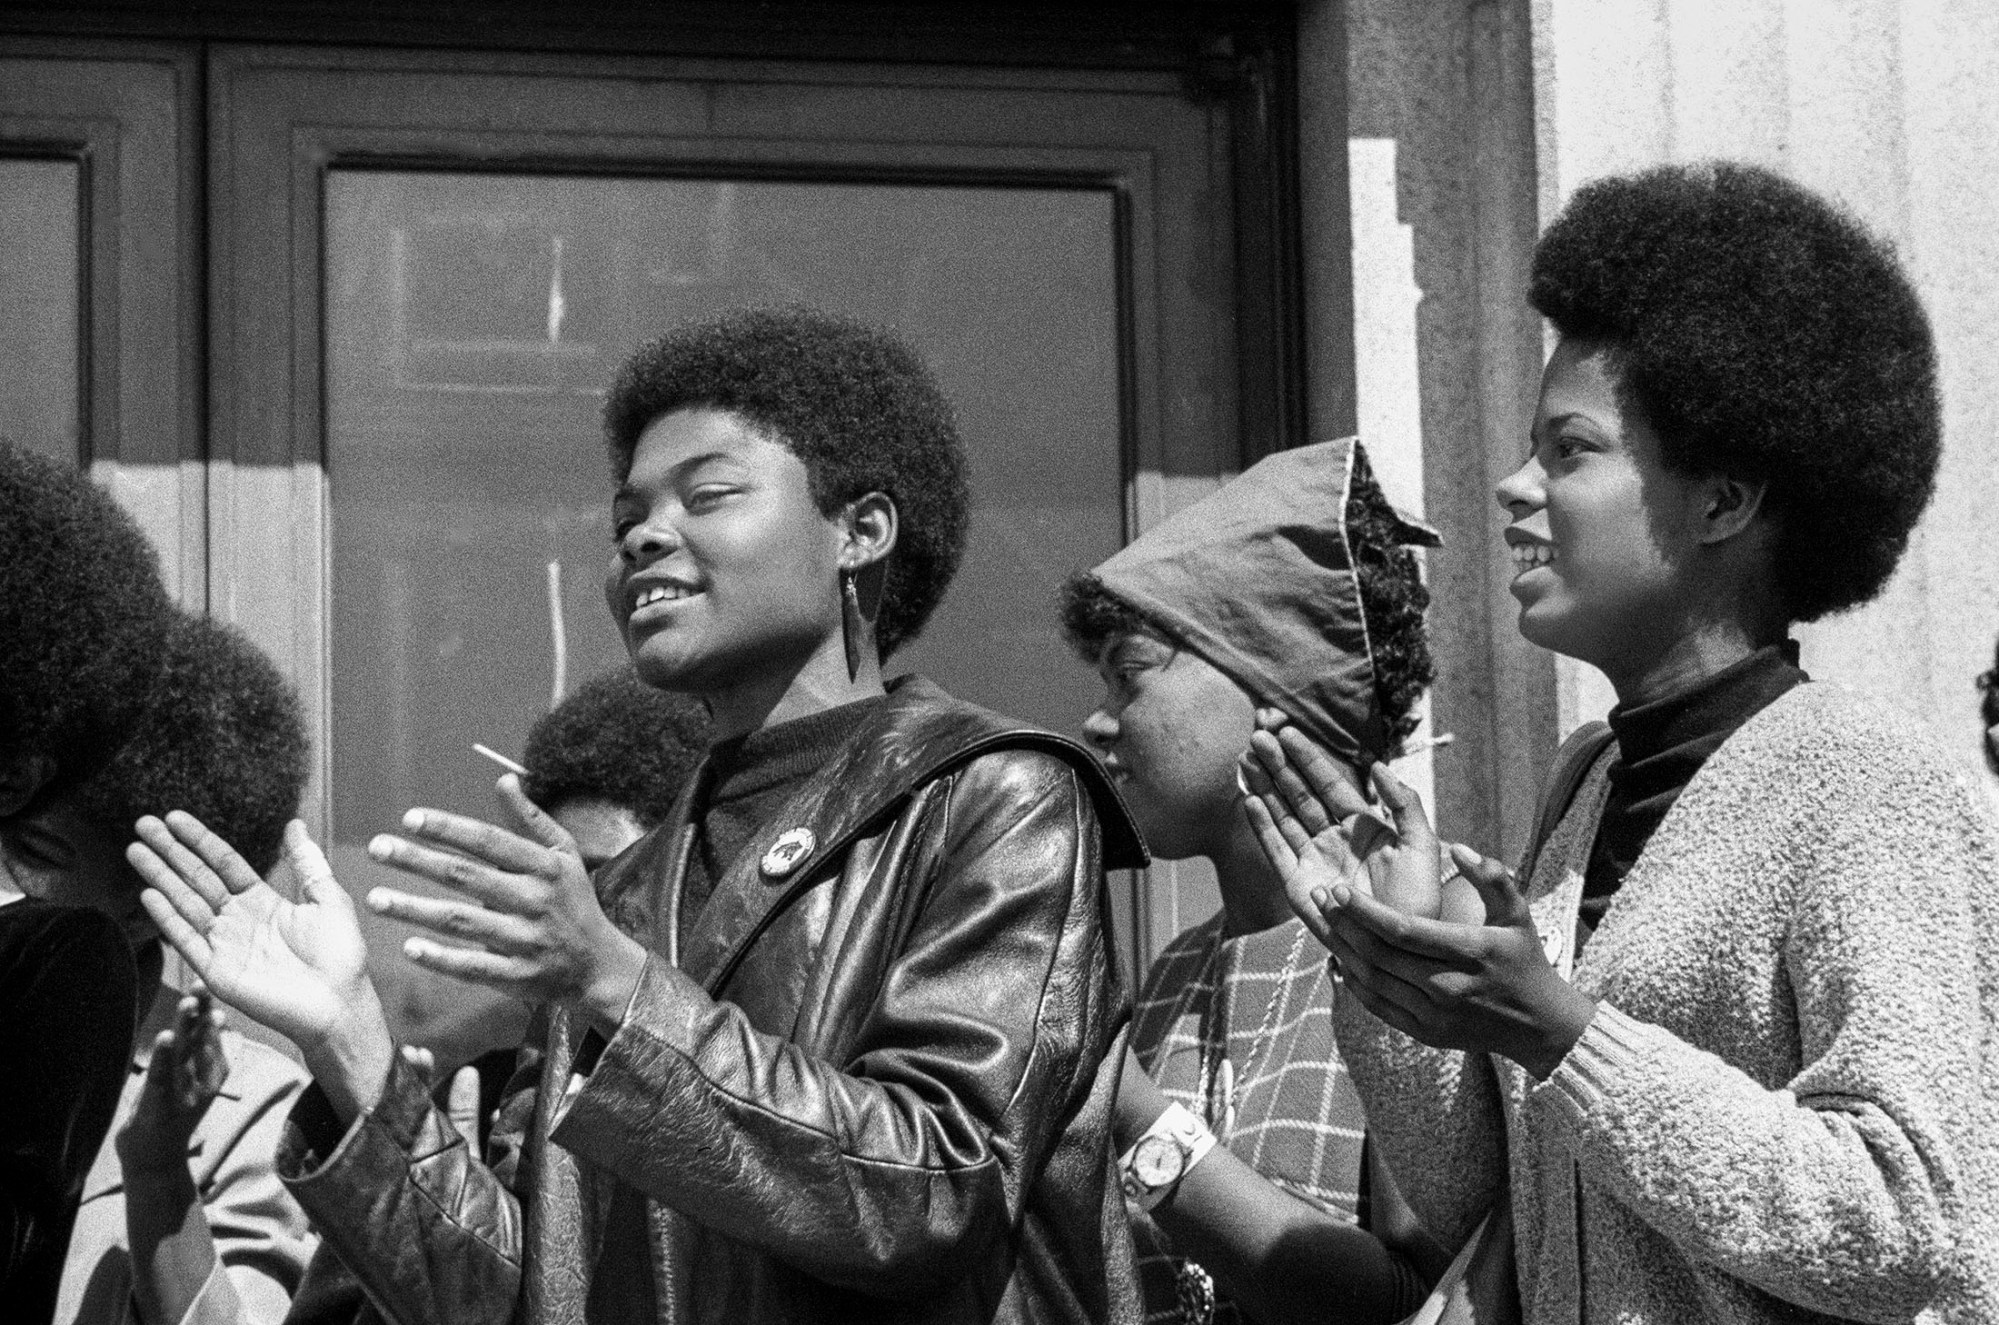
1317	830
184	1075
530	924
297	967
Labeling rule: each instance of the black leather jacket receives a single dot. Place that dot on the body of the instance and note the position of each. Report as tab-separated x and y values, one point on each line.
873	1088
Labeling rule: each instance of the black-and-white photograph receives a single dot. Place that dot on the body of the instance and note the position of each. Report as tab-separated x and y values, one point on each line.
999	662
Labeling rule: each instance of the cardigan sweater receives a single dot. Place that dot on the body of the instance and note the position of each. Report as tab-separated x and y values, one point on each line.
1786	1107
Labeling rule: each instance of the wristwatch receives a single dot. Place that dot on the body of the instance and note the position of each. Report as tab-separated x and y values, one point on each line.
1168	1151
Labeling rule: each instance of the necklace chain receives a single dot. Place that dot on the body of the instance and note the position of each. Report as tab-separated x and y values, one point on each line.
1215	1061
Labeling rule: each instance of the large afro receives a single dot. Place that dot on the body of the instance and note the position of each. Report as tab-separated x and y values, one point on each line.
82	618
616	739
223	739
1763	334
852	401
1392	601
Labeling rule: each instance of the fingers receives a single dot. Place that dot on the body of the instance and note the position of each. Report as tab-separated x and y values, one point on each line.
509	975
475	878
1277	849
462	1104
181	863
1455	946
1326	776
534	821
233	871
495	931
1505	903
482	841
166	913
422	1059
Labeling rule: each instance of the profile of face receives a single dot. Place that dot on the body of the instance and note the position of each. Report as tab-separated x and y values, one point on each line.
602	829
53	852
722	562
1170	728
1601	532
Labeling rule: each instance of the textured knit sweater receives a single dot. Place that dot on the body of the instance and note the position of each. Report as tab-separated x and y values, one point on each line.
1787	1105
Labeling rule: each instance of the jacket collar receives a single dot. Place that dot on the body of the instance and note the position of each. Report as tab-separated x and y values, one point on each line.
918	735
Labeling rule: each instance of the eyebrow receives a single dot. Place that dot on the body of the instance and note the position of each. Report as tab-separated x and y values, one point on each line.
626	490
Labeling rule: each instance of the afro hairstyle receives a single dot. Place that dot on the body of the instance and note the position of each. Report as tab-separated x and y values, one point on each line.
1392	601
223	739
616	739
1766	335
852	401
1988	710
83	616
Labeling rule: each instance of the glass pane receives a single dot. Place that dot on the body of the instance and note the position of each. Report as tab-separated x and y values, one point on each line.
39	303
472	324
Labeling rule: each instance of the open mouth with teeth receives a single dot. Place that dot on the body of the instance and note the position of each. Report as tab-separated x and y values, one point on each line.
661	593
1526	556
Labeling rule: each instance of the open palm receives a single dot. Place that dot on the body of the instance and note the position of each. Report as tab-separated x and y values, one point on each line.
297	967
1317	830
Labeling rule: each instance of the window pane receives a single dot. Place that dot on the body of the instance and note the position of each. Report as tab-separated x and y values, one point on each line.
39	302
473	322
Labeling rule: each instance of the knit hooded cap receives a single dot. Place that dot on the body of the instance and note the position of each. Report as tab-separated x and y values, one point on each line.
1258	578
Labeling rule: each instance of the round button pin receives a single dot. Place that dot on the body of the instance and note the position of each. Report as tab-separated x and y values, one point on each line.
785	853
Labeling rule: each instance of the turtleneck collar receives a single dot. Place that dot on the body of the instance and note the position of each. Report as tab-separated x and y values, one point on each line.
1661	744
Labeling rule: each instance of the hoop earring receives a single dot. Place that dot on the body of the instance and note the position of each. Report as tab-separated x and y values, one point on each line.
853	628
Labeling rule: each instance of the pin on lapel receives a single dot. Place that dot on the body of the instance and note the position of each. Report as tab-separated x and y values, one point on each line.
792	846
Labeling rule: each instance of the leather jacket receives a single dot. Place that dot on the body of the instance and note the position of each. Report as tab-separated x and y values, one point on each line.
871	1083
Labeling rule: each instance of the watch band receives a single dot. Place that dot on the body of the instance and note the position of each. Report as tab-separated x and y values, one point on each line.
1175	1127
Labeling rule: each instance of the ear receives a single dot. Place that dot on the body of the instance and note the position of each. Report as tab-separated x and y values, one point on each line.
869	526
1729	506
22	777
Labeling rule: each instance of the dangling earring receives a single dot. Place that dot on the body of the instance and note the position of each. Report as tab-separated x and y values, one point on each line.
852	627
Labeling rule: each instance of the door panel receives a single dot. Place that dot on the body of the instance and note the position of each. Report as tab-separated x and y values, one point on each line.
99	288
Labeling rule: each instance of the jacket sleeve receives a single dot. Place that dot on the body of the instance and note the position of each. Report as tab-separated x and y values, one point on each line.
405	1208
883	1172
1864	1186
1435	1113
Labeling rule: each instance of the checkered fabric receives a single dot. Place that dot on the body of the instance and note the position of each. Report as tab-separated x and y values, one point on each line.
1298	1120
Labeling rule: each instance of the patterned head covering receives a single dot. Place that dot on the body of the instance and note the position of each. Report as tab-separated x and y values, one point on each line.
1258	579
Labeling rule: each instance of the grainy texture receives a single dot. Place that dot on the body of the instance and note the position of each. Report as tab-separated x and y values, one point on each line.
1787	1107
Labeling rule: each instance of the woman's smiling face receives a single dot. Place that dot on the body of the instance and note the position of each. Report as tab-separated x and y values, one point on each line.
1601	532
723	570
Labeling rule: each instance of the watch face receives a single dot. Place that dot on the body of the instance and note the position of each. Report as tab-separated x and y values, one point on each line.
1158	1161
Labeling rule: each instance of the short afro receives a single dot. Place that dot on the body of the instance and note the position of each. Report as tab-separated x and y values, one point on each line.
223	739
82	617
1392	601
852	401
616	739
1764	334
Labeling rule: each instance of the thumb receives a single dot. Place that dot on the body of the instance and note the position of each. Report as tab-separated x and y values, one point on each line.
463	1105
1505	904
315	876
1405	808
536	823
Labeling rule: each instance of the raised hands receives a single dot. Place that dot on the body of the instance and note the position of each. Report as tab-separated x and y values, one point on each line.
186	1071
1317	829
297	967
530	925
1456	964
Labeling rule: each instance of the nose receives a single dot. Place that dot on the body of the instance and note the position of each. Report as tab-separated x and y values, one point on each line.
1101	726
1520	493
646	542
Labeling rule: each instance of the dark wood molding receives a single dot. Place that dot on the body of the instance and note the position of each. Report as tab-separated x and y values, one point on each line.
1125	34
